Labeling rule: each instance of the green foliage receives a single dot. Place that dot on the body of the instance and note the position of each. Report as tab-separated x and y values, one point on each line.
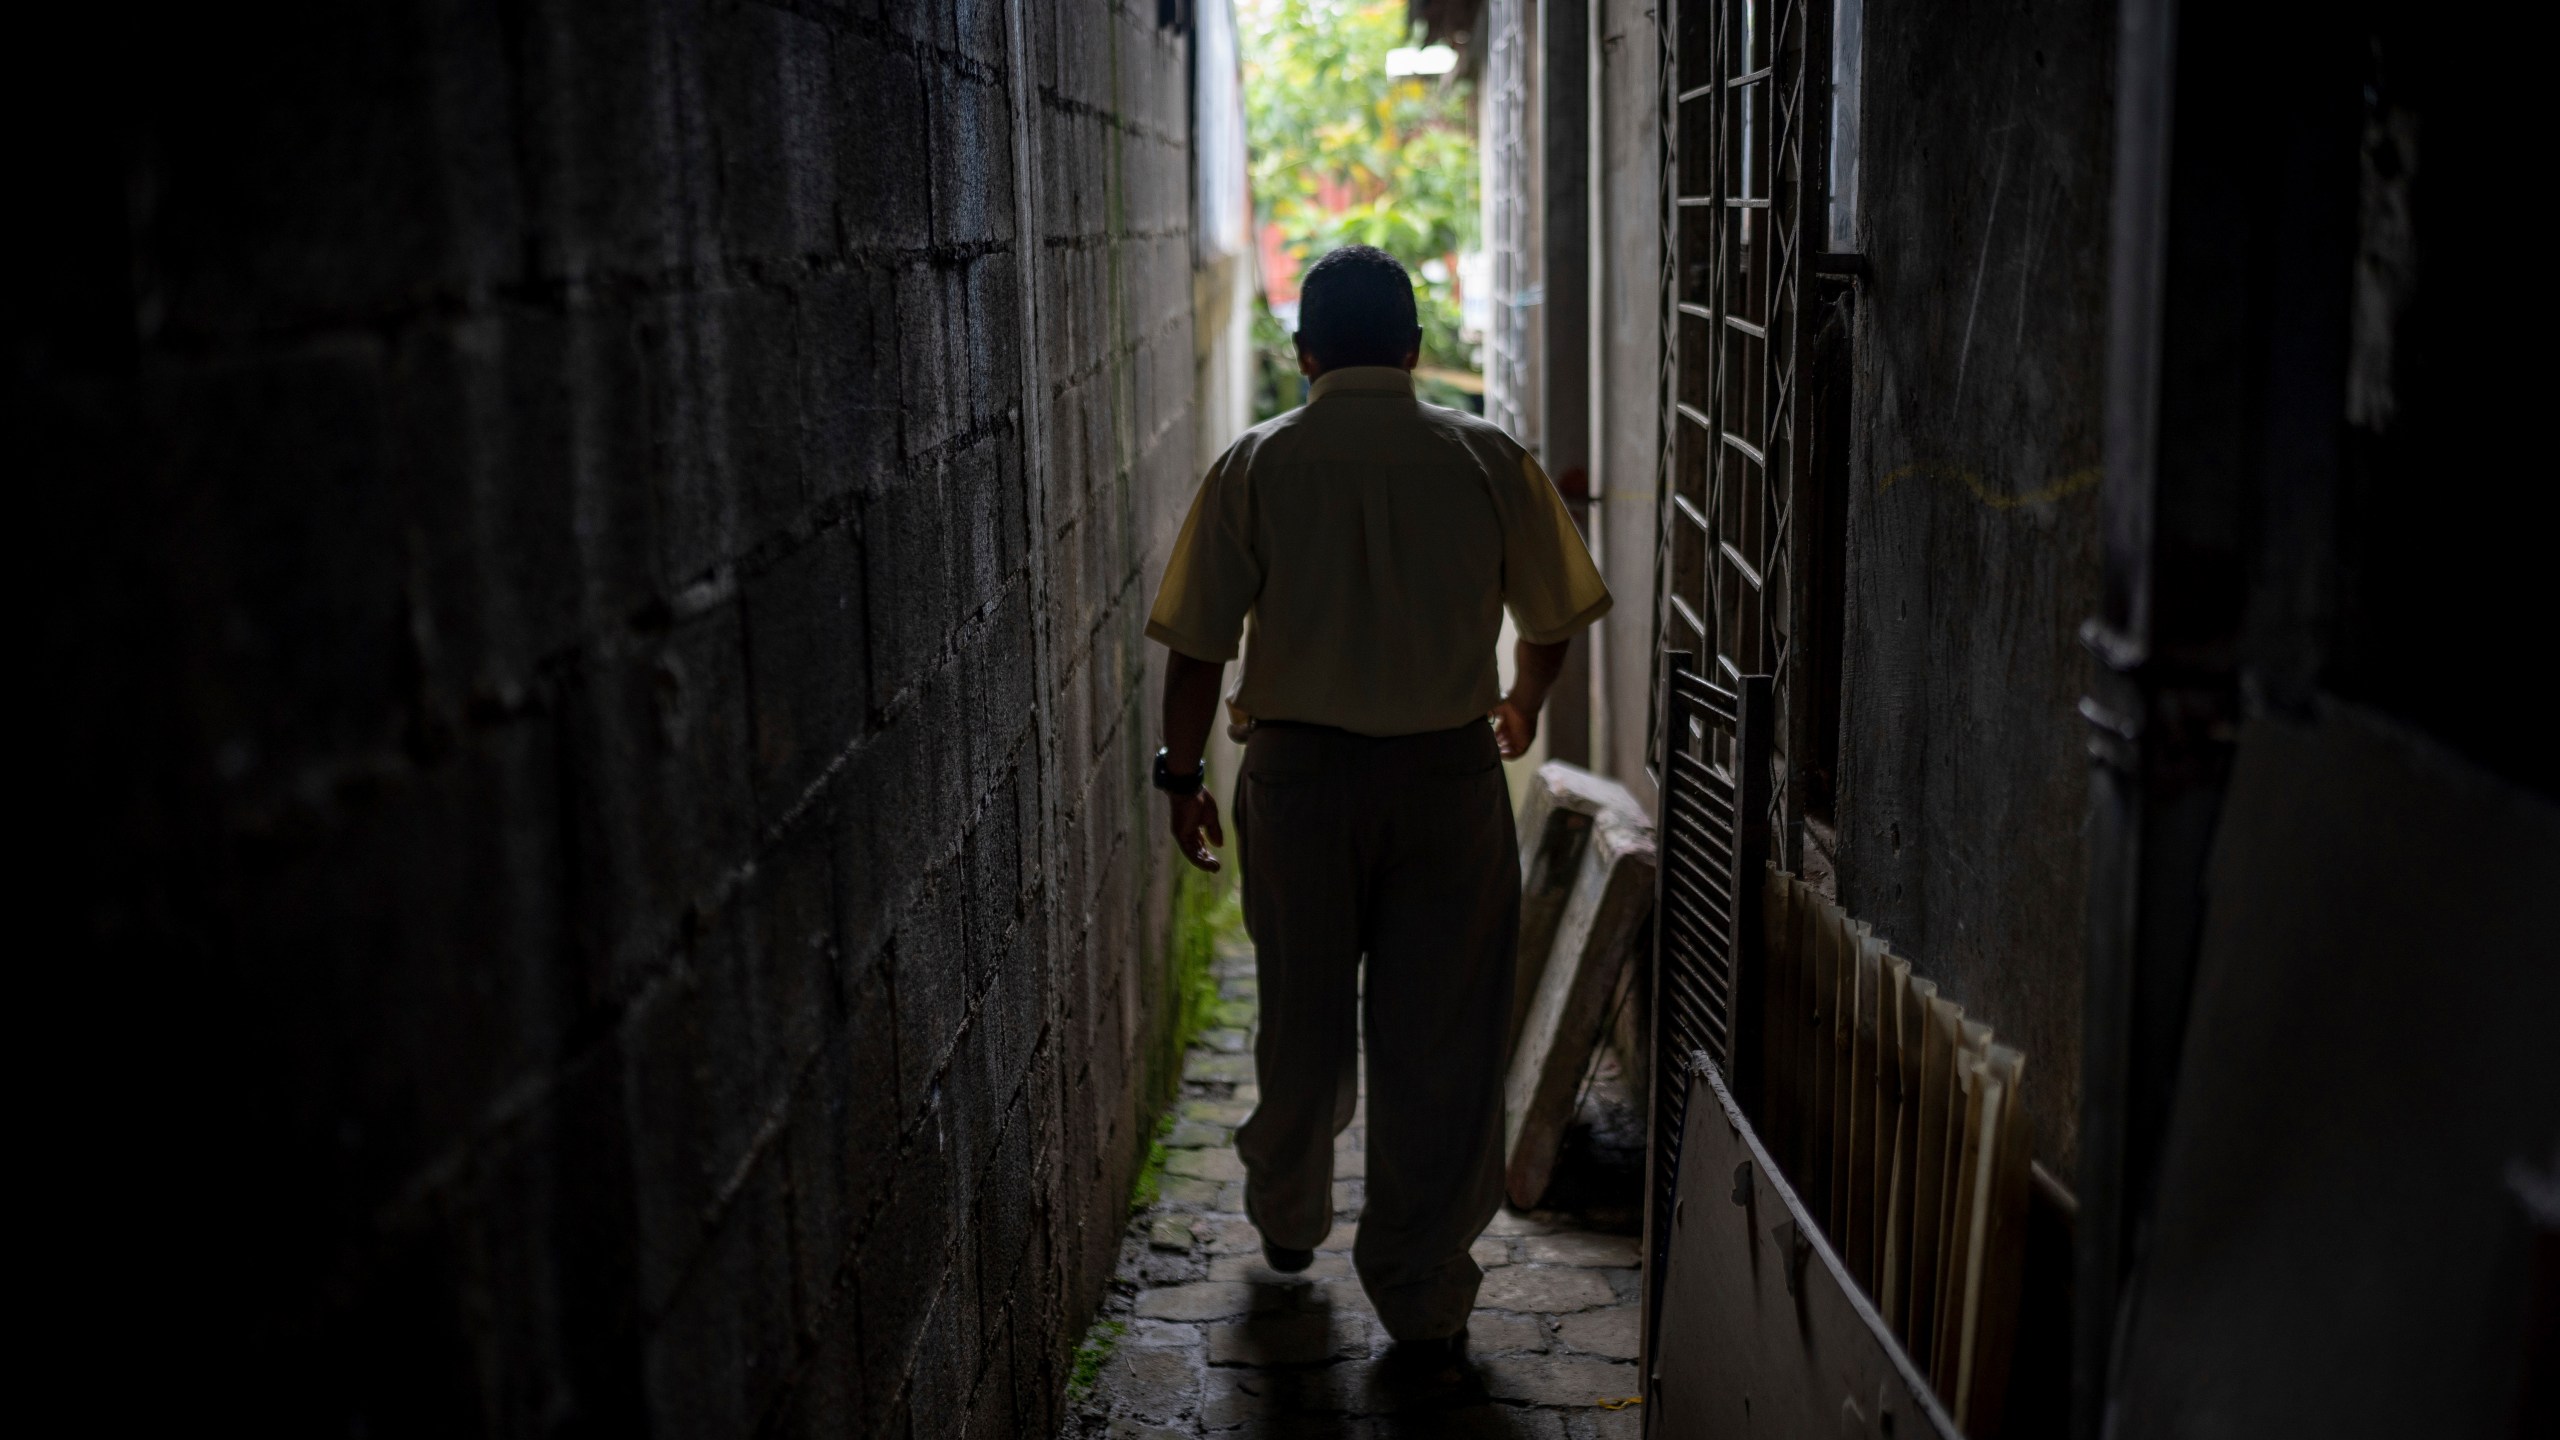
1344	155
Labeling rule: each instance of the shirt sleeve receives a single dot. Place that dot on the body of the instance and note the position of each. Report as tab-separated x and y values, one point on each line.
1213	575
1548	581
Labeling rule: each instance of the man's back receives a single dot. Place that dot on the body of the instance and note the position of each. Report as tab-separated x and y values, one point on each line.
1375	541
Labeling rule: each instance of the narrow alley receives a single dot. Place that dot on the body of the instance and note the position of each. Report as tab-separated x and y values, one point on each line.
663	634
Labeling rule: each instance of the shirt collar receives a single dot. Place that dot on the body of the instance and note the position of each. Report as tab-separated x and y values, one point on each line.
1386	379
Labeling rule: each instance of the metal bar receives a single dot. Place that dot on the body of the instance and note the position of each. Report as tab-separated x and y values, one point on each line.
1690	512
1746	327
1689	902
1713	821
1688	616
1696	873
1717	905
1750	450
1700	929
1705	773
1661	1159
1715	810
1710	697
1697	997
1750	572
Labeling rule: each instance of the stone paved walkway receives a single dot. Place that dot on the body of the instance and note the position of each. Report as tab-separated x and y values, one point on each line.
1209	1341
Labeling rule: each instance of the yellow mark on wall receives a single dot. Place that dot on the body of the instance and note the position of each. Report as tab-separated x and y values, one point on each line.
2069	485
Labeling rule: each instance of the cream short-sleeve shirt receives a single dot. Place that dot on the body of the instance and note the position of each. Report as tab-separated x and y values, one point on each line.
1369	544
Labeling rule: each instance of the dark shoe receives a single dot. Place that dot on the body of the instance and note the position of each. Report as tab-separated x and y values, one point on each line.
1440	1350
1433	1364
1286	1260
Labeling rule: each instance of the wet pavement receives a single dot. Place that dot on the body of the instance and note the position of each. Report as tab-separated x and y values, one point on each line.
1204	1339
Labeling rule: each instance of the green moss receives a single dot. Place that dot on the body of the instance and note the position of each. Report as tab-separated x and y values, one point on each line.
1091	1356
1206	916
1151	1175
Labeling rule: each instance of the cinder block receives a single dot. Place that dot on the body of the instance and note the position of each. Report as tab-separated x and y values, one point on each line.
719	1353
808	643
695	501
312	605
847	386
902	1260
657	790
827	1403
914	590
787	984
751	367
933	327
607	155
992	855
325	169
928	960
768	78
885	201
995	338
670	1121
947	1353
970	141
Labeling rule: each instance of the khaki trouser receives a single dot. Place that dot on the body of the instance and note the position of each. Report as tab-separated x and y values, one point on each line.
1400	850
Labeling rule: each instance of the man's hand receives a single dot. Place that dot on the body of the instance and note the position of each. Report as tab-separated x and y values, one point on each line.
1515	728
1190	700
1193	814
1515	717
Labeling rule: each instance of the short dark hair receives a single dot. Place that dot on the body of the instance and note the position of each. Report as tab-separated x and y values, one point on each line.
1356	308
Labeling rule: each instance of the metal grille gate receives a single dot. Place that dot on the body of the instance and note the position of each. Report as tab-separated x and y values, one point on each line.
1738	103
1712	842
1741	129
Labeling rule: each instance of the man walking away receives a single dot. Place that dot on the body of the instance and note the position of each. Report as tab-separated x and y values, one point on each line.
1369	544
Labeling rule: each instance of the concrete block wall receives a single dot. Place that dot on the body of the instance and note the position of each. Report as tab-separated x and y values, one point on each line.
621	540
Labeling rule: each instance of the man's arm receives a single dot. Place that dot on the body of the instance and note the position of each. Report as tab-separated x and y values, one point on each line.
1533	673
1190	704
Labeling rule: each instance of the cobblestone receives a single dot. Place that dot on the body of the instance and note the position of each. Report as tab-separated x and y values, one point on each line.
1579	1250
1601	1332
1545	1291
1207	1300
1218	1164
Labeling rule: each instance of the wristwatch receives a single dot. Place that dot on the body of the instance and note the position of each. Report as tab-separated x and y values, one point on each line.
1172	784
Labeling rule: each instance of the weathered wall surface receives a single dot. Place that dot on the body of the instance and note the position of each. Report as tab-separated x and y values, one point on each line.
1972	512
609	695
1626	435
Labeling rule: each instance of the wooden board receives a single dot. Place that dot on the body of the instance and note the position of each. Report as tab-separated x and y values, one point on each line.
1554	827
1762	1331
1595	936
